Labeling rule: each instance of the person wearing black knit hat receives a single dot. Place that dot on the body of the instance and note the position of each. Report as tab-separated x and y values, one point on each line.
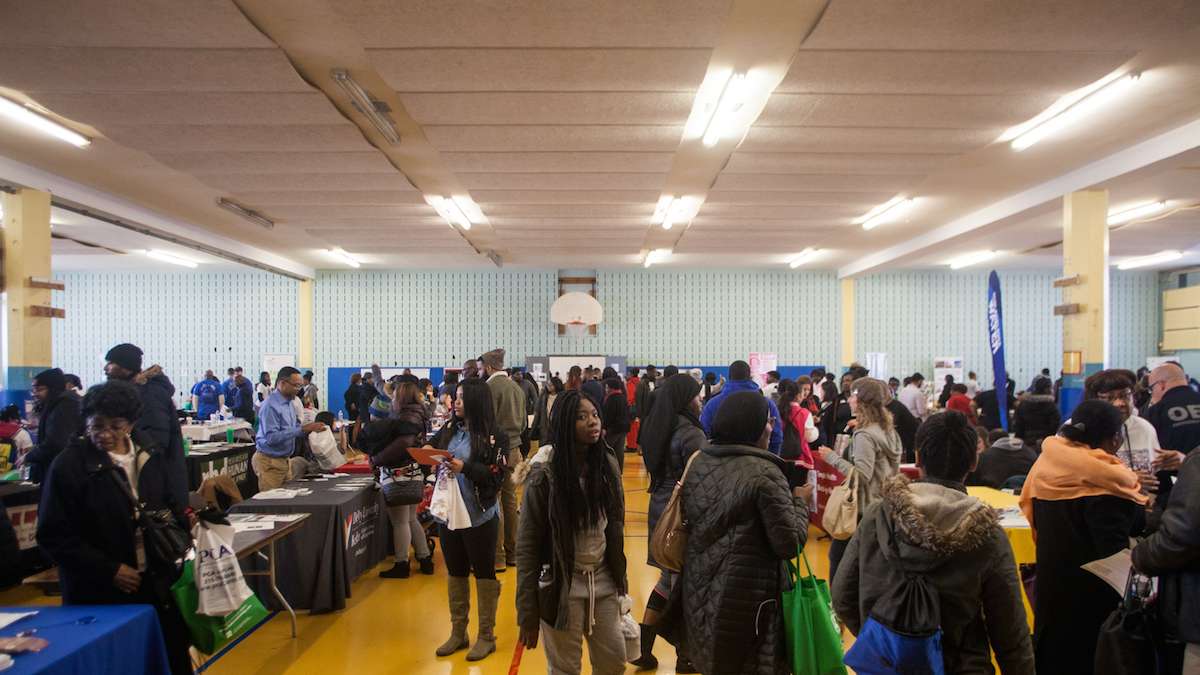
58	421
159	419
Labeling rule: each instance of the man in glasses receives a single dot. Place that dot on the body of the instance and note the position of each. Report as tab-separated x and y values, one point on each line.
1175	414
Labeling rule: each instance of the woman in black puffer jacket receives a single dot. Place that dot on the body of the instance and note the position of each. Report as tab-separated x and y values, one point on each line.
671	433
743	522
387	442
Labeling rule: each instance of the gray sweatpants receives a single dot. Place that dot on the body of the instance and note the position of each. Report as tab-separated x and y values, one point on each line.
606	644
406	529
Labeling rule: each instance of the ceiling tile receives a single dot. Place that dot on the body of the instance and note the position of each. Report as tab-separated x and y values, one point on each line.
653	108
858	139
534	138
782	198
320	213
569	210
562	181
565	196
835	162
331	197
227	163
130	23
596	70
815	182
537	23
551	162
926	111
343	137
133	108
269	182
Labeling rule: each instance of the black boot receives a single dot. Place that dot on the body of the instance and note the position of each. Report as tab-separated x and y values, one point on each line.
426	565
398	571
646	660
682	665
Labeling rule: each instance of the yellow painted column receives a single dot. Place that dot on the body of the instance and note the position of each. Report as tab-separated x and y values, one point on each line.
26	255
1085	255
847	312
304	357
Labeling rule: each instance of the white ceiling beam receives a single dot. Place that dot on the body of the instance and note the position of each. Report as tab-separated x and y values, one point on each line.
150	222
1156	149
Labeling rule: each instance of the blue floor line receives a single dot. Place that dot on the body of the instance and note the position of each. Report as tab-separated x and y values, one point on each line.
233	644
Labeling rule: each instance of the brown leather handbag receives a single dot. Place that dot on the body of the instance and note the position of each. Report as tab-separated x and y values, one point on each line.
668	544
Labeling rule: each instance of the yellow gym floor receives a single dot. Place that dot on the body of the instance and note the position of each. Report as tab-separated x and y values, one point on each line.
393	625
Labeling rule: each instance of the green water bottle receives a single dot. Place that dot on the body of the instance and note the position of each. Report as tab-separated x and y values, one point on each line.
229	436
187	446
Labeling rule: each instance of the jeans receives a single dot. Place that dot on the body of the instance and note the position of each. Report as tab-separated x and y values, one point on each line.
473	548
407	529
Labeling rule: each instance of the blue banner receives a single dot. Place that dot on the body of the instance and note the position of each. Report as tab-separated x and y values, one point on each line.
996	343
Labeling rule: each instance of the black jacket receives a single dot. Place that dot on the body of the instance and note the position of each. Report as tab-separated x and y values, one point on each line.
1173	554
906	425
1071	603
59	421
485	471
160	423
936	530
616	413
989	409
1037	417
350	401
686	438
535	548
85	520
743	523
1006	458
387	441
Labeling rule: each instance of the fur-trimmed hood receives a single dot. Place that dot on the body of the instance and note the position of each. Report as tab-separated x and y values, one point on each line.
932	522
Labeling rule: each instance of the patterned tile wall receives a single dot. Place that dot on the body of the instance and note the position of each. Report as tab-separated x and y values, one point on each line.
185	322
915	317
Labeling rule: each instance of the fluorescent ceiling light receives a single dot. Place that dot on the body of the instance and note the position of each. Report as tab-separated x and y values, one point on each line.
671	210
470	209
656	256
803	257
24	115
886	212
163	256
1146	261
972	259
342	256
450	210
1070	109
249	214
374	110
1135	212
724	118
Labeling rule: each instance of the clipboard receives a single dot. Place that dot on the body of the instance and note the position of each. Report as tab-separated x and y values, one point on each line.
429	456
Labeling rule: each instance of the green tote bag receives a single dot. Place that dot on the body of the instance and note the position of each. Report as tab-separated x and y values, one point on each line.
814	644
210	633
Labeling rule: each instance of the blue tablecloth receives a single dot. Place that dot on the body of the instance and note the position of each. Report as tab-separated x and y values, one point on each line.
119	639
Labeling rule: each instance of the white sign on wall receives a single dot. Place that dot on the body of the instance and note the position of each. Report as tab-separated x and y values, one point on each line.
760	363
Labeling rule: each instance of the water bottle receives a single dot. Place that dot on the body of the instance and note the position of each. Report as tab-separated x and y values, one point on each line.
341	419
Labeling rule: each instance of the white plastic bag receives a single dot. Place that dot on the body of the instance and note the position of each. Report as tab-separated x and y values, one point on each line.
325	450
219	580
630	630
447	504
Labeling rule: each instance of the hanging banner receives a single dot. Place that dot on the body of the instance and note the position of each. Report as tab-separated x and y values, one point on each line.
760	364
996	343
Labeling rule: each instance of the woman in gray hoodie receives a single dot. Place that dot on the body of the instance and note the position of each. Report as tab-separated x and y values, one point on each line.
873	452
934	529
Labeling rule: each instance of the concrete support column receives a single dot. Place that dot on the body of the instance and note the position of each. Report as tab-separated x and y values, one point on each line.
1085	255
304	344
27	335
847	328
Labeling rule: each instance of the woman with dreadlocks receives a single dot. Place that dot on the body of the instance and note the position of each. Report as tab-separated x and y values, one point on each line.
570	545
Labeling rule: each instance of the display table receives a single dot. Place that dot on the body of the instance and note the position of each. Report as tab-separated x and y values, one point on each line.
199	433
248	543
90	639
1016	528
227	459
346	535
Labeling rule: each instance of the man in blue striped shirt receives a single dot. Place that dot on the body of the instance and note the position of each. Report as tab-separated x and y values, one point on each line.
278	429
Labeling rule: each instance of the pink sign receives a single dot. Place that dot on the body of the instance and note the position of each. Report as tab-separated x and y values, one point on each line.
760	363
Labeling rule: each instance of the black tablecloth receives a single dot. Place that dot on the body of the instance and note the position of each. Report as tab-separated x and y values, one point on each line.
347	534
20	502
230	460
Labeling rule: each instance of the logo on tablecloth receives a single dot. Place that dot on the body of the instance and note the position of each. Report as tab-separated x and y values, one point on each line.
360	525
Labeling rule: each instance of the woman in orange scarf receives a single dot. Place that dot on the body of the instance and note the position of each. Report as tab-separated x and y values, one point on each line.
1083	505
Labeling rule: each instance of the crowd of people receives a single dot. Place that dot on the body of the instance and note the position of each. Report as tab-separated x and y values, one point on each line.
1121	465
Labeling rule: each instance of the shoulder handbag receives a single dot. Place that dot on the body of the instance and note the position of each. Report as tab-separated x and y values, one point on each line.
165	540
402	487
840	518
668	544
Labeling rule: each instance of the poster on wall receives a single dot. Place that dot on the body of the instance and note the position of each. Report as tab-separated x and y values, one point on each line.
760	363
877	363
947	365
273	362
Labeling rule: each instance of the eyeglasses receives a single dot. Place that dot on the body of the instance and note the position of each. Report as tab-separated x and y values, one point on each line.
1114	396
1155	384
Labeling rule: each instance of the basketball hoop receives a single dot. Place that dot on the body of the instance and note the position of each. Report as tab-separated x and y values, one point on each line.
575	312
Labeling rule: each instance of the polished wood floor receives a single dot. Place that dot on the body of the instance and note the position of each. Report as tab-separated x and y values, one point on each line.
393	625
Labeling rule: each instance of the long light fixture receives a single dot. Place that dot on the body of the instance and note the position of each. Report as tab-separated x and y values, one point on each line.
803	257
720	98
345	257
367	105
672	209
163	256
1069	109
24	115
1135	212
972	259
458	210
249	214
656	256
886	212
1146	261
